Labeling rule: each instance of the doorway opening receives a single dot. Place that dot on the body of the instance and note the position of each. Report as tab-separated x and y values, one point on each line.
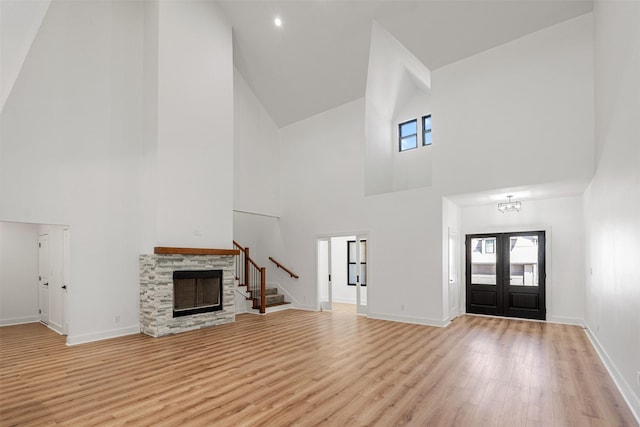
342	272
505	274
34	260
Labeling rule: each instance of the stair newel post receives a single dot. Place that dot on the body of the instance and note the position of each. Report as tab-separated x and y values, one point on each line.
263	290
247	276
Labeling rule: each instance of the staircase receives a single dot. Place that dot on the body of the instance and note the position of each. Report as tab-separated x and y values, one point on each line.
254	277
272	298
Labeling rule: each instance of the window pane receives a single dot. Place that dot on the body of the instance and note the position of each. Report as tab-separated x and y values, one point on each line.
409	128
523	270
426	124
363	274
351	249
483	264
427	138
352	274
408	143
363	250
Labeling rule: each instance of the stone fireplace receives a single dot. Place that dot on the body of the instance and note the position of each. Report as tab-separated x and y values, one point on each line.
183	289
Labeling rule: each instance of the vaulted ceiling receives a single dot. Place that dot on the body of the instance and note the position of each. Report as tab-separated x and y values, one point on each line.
318	58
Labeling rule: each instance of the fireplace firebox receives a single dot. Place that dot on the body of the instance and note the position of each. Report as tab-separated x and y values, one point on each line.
196	291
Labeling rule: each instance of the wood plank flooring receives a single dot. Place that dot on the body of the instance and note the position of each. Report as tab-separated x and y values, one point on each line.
308	368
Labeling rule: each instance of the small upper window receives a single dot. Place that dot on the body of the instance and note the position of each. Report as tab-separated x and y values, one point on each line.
408	135
426	130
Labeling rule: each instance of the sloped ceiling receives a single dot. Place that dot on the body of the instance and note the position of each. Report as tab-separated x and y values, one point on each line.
318	59
19	24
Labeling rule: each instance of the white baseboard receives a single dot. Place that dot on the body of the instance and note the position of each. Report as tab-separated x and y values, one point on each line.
98	336
625	389
344	300
409	319
19	320
566	321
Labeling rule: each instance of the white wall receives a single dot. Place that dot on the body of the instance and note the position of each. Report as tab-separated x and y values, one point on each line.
412	168
561	218
195	126
394	77
322	189
262	235
71	154
517	114
405	256
612	201
256	182
256	172
18	273
89	140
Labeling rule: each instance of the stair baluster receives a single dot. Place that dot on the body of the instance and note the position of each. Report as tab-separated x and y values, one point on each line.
254	277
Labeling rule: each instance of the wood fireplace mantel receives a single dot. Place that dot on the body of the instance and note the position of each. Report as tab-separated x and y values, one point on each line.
163	250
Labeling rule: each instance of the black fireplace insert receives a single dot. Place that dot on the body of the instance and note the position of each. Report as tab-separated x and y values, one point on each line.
196	291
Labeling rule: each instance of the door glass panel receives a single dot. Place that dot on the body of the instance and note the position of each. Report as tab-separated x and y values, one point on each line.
483	261
352	274
523	257
362	259
363	290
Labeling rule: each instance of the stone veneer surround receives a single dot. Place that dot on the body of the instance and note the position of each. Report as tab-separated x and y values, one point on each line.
156	293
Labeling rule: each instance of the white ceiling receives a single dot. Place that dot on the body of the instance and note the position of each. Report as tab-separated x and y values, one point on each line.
318	59
530	192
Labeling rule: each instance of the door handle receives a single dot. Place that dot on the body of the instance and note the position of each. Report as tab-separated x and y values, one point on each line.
45	284
64	286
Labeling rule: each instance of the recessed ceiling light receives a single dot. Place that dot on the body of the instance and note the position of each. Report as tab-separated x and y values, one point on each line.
278	21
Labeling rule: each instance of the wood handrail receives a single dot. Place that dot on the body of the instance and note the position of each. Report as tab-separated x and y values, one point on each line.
252	276
291	273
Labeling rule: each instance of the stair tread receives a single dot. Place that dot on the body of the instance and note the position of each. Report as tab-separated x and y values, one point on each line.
278	303
268	291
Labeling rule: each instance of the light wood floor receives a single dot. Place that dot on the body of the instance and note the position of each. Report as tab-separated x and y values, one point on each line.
306	368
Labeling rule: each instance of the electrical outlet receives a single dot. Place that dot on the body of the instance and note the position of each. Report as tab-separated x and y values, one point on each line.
116	319
638	378
402	307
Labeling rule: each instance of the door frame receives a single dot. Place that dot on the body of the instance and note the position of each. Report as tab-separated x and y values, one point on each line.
453	283
44	304
362	309
359	235
324	281
503	289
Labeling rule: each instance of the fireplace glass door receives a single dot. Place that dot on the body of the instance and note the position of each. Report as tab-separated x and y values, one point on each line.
197	291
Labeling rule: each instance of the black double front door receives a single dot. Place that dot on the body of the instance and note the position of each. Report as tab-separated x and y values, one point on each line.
505	274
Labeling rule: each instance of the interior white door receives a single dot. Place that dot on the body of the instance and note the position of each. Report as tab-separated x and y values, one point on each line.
324	274
362	287
454	286
43	277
